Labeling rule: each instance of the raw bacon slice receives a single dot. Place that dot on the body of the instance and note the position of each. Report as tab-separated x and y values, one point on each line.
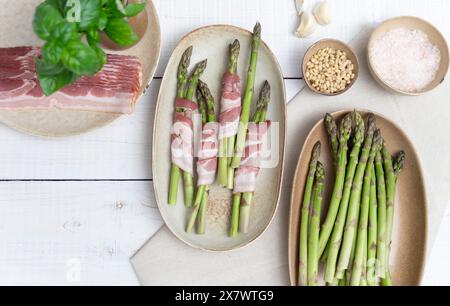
182	146
230	105
114	89
207	154
245	177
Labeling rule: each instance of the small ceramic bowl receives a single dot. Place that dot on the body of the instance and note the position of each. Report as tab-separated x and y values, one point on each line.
335	44
435	38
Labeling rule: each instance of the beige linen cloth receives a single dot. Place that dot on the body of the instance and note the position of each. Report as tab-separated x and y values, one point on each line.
164	260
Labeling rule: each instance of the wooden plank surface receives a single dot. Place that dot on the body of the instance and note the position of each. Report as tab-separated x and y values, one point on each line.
72	211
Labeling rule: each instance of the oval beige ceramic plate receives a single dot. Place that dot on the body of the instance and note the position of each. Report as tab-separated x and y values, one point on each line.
410	228
212	43
17	30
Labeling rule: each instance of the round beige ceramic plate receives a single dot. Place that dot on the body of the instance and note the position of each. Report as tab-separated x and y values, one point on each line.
17	30
212	43
410	228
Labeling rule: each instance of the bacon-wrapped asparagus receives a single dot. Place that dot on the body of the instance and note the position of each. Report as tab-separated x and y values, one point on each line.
207	156
245	178
177	138
230	110
182	146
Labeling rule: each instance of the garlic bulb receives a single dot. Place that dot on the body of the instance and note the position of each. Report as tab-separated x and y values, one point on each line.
307	25
322	13
301	5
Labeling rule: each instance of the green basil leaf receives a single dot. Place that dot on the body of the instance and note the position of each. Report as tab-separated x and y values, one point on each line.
58	4
45	68
52	52
116	7
89	14
81	59
66	31
102	20
45	20
119	31
51	84
100	54
93	37
133	9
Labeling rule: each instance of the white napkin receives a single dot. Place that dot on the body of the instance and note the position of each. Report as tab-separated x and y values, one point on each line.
164	260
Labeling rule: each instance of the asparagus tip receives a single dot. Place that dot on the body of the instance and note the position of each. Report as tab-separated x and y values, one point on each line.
257	29
377	140
235	46
202	65
320	172
265	91
345	127
330	123
204	89
359	127
399	162
316	151
186	59
198	93
371	123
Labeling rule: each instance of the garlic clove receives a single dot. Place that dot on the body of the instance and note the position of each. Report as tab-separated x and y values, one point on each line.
322	13
307	25
301	5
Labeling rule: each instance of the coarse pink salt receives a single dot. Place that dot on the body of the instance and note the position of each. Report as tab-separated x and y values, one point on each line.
405	59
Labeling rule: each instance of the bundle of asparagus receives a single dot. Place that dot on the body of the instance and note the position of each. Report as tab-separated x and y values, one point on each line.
245	180
207	156
182	146
230	109
356	236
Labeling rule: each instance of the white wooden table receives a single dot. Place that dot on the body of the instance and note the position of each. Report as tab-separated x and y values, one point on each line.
72	211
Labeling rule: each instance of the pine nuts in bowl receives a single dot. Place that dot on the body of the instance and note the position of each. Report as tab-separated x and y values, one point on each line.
330	67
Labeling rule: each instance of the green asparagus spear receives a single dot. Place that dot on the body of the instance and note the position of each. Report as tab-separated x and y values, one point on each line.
304	222
248	97
188	179
338	230
344	135
206	107
348	273
355	197
390	194
372	236
234	227
181	84
380	265
363	281
259	117
331	127
398	165
313	242
201	223
361	240
226	146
